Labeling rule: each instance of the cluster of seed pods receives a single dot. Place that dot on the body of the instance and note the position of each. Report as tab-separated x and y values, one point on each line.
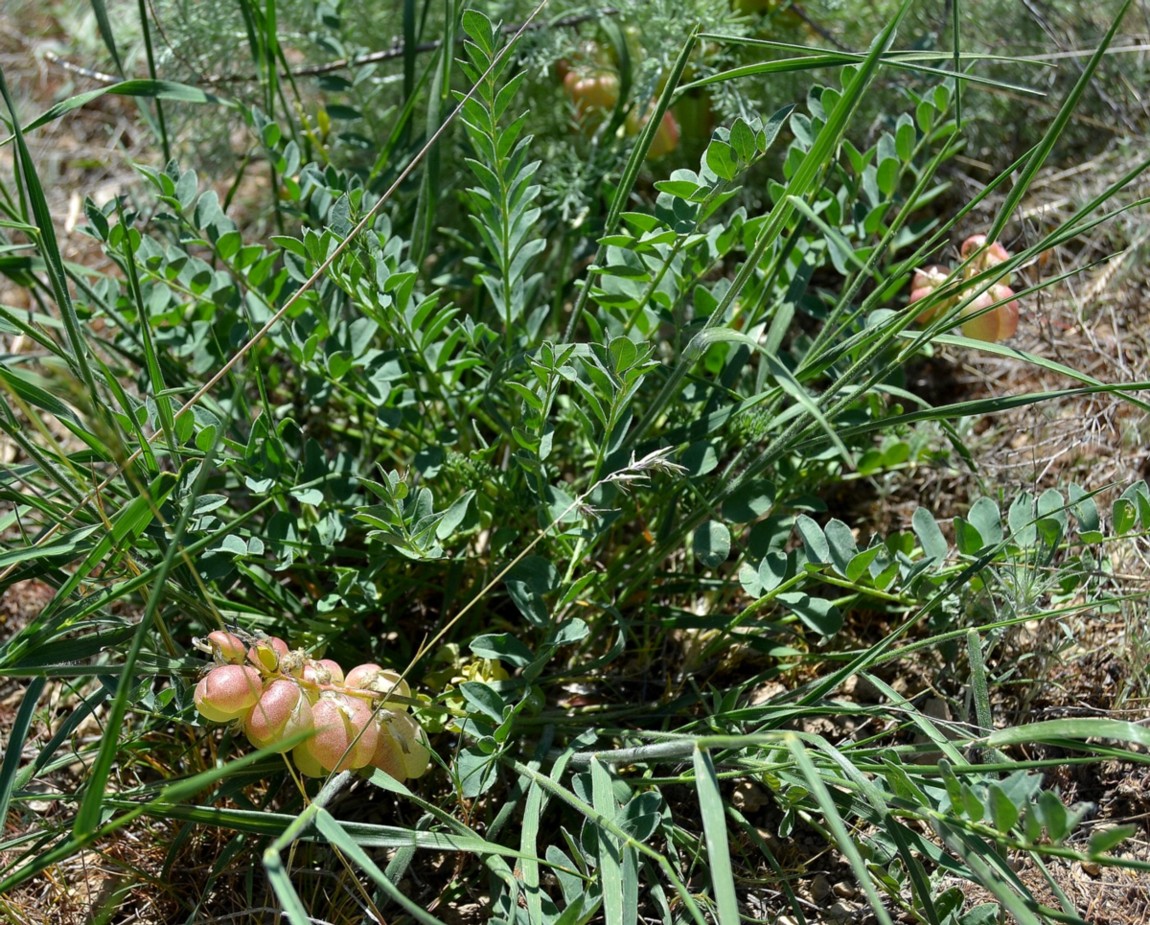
980	321
357	720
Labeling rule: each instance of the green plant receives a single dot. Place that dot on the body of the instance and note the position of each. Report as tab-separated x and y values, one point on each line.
580	482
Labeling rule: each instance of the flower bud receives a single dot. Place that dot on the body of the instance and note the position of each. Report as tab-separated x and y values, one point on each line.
266	653
227	648
281	712
227	692
345	737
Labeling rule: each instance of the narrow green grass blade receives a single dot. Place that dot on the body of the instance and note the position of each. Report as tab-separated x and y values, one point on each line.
438	100
978	681
631	170
50	249
63	733
107	33
14	745
151	358
1033	359
610	851
273	861
154	89
838	827
143	443
914	62
1063	730
529	844
972	408
328	826
130	522
161	125
280	880
608	824
92	805
1042	150
717	838
988	870
267	824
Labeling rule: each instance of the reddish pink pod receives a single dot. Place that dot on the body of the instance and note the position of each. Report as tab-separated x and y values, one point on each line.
345	737
926	281
322	672
227	648
385	681
227	692
591	91
992	256
281	712
994	324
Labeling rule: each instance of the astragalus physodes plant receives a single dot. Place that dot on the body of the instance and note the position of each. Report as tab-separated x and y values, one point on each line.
588	450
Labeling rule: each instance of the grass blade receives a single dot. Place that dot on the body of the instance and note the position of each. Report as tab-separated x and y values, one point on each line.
14	746
92	806
610	850
837	825
717	838
1046	145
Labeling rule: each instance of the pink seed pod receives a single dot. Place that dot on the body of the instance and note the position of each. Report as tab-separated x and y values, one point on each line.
401	750
926	280
666	137
992	256
322	672
362	675
346	734
227	692
227	648
996	324
281	712
383	681
266	653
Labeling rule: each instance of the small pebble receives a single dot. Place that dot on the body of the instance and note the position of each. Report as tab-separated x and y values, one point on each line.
844	890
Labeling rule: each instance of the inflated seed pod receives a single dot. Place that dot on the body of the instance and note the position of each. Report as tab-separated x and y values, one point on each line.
345	733
280	712
925	281
371	677
322	672
401	750
227	648
228	692
995	324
